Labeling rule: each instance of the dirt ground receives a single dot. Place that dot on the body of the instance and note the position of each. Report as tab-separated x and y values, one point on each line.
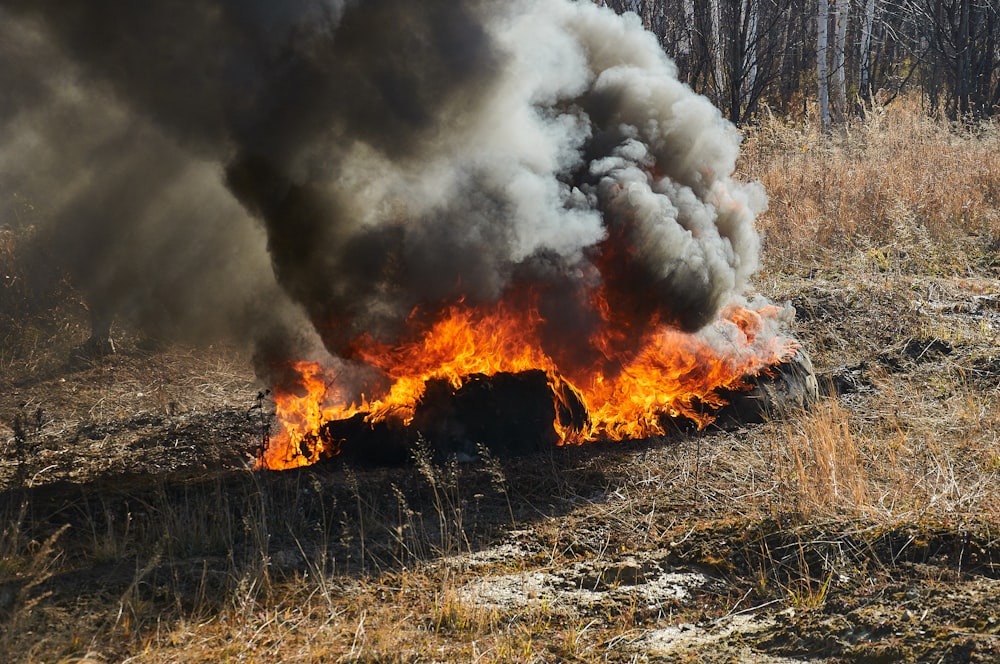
864	530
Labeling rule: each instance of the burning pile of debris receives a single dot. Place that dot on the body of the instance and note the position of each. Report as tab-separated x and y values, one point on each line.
460	392
513	414
506	223
562	259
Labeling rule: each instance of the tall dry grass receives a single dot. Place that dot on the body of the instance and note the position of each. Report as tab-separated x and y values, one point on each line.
896	183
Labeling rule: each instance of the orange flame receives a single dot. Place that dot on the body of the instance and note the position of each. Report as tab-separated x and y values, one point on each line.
672	373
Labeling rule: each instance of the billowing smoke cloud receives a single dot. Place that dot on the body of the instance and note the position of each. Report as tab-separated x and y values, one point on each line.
142	224
395	154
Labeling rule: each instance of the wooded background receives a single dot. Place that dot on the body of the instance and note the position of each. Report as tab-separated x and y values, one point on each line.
840	54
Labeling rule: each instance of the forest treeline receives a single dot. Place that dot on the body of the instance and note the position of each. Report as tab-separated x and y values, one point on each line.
840	54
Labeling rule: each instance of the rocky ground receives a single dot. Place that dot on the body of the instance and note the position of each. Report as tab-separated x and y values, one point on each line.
862	530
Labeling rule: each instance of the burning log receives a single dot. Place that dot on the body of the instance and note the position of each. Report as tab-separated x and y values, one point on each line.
515	414
509	413
474	372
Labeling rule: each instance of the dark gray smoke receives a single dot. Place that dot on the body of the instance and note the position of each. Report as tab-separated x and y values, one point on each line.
142	223
397	154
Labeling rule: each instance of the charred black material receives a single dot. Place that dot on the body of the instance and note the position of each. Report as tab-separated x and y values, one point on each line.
514	414
774	392
510	414
386	443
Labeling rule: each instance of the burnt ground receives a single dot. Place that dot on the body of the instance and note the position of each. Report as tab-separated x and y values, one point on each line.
863	530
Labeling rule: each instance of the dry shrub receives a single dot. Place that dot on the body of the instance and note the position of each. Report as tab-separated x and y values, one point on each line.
36	313
895	185
907	454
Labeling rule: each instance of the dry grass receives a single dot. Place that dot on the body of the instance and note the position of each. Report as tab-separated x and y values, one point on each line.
885	238
903	190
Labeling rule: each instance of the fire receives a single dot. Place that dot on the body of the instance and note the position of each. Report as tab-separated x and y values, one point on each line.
626	394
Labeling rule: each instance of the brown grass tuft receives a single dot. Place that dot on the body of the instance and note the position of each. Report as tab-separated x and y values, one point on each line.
829	473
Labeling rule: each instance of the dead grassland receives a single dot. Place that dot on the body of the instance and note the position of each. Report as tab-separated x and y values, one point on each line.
864	529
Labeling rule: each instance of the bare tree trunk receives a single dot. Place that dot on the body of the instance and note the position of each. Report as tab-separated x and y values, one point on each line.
964	59
992	64
688	17
702	71
787	64
752	9
865	47
735	32
718	52
841	13
647	17
822	77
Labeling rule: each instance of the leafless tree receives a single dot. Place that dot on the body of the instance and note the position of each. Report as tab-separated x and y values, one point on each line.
745	53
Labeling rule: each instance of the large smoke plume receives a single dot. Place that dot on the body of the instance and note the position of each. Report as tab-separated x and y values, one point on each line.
209	163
